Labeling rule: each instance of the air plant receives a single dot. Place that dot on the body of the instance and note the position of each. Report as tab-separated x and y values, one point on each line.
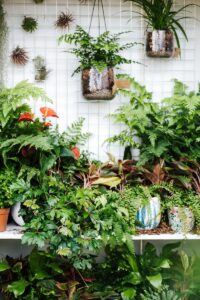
29	24
3	38
19	56
38	1
161	15
41	71
64	20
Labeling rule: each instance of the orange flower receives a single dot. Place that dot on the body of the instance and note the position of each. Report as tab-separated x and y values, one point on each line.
26	117
47	124
48	112
89	279
76	152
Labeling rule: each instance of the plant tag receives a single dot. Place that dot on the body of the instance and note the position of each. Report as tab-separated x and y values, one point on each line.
177	52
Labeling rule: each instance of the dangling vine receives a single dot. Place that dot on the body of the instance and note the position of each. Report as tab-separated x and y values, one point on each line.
3	42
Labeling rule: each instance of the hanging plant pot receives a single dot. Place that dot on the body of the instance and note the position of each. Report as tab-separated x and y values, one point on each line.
160	43
15	213
98	85
149	216
181	219
4	212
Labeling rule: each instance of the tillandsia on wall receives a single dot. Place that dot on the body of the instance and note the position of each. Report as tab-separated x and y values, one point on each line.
3	43
41	71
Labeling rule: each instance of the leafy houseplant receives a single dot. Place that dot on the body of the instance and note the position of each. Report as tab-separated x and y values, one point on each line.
164	22
97	58
6	196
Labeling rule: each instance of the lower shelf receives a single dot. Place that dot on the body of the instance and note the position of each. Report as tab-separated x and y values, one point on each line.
15	232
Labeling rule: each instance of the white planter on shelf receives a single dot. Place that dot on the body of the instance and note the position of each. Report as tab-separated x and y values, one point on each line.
15	214
149	216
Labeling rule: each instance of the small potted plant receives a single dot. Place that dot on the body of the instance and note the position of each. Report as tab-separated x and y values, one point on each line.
6	196
97	59
183	210
164	22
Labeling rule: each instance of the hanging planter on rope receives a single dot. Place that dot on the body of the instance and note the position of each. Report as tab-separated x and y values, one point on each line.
97	57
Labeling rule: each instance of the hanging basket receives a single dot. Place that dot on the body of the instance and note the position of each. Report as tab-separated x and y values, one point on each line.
160	44
98	85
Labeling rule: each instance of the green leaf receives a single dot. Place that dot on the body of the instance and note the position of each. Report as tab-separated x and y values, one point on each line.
155	280
4	266
128	294
108	181
18	287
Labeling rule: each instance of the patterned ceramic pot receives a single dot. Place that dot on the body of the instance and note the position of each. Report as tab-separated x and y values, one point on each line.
149	216
181	219
98	85
160	43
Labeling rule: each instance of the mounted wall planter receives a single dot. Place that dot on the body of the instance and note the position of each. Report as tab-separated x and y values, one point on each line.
15	214
160	44
149	216
98	85
4	213
181	219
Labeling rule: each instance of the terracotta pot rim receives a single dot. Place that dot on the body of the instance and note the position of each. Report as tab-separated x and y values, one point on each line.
4	210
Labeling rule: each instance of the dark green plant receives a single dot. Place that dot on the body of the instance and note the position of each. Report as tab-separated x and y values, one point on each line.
165	294
161	15
3	42
101	52
29	24
7	196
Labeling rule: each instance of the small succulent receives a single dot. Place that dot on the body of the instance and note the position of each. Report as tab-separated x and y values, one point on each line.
64	20
41	71
29	24
19	56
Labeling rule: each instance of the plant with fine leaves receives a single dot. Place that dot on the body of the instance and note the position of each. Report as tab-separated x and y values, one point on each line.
161	15
100	52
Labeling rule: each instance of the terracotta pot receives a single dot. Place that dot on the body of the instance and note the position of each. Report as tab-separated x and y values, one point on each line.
98	85
181	219
160	44
149	216
4	212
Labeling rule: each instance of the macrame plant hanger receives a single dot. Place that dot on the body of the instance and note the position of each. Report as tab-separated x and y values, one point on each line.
100	7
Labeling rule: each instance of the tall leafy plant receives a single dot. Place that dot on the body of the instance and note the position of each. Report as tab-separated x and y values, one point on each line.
3	40
161	15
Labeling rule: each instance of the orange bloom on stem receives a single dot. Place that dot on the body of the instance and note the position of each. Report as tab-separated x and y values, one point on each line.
27	116
48	112
76	152
47	124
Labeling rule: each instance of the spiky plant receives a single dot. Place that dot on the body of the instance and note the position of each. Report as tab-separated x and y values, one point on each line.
161	15
64	20
19	56
29	24
3	40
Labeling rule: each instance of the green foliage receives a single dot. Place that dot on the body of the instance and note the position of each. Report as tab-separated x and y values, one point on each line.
3	42
166	131
161	15
97	52
29	24
165	294
6	193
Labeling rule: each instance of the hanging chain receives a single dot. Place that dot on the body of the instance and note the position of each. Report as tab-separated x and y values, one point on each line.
100	6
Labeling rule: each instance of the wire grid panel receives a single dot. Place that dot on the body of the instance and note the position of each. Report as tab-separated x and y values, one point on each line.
156	74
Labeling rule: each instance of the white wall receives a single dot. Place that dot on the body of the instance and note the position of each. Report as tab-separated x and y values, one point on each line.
65	90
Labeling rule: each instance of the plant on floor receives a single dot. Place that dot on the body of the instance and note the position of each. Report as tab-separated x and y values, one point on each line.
29	24
101	52
161	15
163	131
3	42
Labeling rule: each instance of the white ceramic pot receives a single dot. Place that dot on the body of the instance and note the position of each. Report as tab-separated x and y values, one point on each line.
15	214
149	216
181	219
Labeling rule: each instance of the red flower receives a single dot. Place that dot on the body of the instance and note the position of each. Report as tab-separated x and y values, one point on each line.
76	152
26	117
48	112
24	152
88	279
47	124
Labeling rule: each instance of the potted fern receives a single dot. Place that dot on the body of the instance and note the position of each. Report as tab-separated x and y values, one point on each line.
164	22
97	58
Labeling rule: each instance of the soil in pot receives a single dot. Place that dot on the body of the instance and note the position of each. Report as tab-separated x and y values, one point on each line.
4	212
160	44
181	219
98	85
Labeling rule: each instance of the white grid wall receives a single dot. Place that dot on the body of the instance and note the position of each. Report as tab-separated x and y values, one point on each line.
156	74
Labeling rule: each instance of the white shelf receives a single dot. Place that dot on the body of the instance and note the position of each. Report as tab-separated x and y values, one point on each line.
13	232
166	237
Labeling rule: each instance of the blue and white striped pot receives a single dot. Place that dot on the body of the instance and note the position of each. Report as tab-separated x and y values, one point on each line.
149	216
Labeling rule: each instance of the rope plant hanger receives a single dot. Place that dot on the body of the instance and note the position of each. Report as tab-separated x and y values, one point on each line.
100	6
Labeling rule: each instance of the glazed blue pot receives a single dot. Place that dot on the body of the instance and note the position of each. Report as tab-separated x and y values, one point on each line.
149	216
